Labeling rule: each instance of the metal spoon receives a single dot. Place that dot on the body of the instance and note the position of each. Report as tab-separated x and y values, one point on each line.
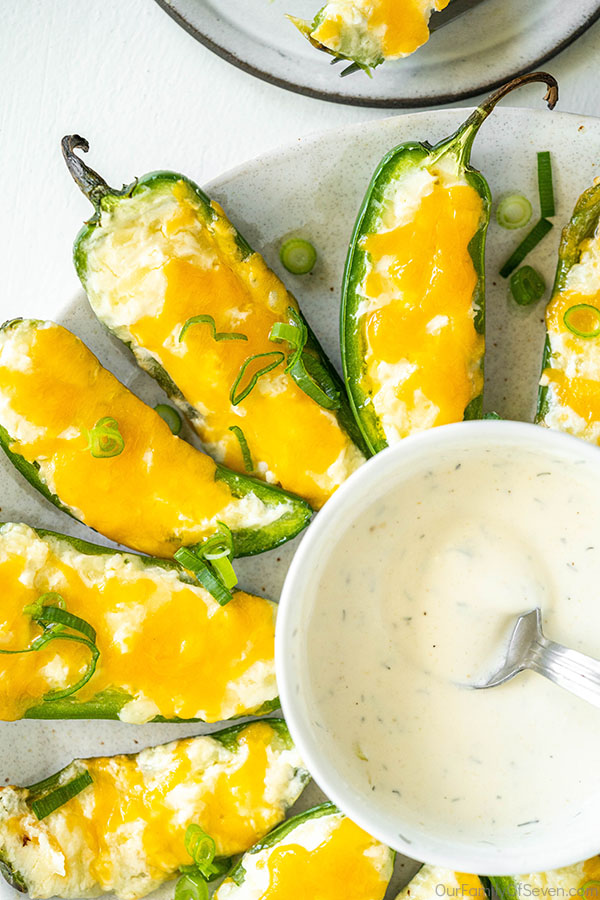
529	649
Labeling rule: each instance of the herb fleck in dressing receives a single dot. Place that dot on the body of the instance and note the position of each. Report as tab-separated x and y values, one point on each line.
416	602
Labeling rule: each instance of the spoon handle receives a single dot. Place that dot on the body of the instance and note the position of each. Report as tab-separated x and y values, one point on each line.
574	671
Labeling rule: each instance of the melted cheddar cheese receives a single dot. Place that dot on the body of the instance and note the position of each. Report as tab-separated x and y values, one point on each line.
154	263
429	879
125	832
165	643
572	375
370	31
157	494
423	355
329	858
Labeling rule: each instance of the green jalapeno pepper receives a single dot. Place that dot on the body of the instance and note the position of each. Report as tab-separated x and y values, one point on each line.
141	625
569	395
119	823
306	856
413	305
96	451
171	277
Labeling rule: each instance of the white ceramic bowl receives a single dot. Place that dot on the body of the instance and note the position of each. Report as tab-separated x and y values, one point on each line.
561	842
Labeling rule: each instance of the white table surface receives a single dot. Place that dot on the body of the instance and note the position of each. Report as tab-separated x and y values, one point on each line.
147	96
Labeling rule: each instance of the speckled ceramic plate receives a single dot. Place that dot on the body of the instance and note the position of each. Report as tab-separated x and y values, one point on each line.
314	189
473	54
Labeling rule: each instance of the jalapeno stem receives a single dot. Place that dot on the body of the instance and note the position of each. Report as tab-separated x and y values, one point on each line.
89	182
466	134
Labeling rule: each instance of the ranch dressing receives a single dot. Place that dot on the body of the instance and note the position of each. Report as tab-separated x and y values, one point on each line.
416	601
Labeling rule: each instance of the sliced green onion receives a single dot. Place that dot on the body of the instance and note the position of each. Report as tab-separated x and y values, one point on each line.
276	359
312	378
305	369
105	439
191	886
204	575
590	885
217	335
513	211
56	615
583	320
50	598
531	240
218	544
295	333
201	848
170	415
53	620
225	571
246	455
545	186
527	286
298	256
61	795
217	551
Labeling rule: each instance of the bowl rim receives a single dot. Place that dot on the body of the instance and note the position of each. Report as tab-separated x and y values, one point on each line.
566	848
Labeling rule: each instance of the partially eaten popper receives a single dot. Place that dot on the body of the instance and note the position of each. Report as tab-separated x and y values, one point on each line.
170	276
118	824
90	632
569	397
319	853
413	307
95	450
369	32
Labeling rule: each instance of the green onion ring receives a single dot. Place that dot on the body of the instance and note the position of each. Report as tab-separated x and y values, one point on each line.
580	307
217	335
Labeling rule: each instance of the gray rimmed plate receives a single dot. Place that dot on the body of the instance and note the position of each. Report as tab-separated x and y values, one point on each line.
474	53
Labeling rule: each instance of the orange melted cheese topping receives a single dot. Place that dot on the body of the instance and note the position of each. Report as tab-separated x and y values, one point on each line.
292	440
329	858
125	832
156	495
396	27
423	358
166	643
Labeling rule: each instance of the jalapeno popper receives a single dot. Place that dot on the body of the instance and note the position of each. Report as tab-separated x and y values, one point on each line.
94	449
319	853
137	640
369	32
119	823
169	275
431	882
579	880
412	326
569	398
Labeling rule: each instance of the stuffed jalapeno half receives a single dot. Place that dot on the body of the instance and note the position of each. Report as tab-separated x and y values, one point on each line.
569	397
160	647
431	882
369	32
413	317
319	853
170	276
581	880
118	823
96	451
